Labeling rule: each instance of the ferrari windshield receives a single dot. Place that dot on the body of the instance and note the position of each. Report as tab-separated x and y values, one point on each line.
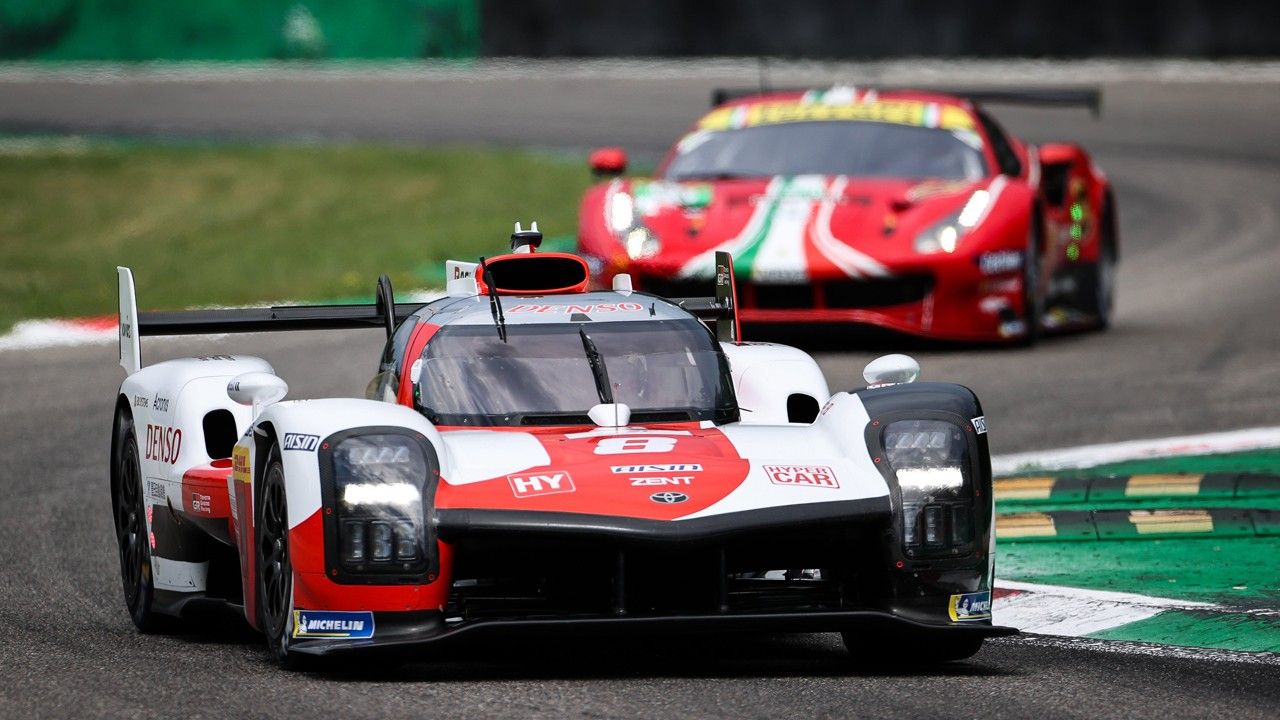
852	148
665	370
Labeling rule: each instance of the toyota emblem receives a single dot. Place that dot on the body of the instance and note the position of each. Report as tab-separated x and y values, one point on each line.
669	497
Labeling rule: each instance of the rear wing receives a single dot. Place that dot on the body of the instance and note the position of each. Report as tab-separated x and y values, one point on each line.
383	313
721	311
1085	97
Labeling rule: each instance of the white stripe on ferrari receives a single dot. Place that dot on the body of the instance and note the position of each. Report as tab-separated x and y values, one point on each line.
704	264
1092	455
850	261
781	256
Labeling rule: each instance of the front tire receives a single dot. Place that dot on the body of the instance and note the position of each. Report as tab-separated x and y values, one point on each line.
1032	294
132	537
274	576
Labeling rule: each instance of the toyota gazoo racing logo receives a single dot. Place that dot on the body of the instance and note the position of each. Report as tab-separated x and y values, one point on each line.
669	497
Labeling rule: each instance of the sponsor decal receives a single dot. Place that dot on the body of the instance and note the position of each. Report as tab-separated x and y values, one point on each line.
1000	261
970	606
298	441
332	624
240	464
211	358
628	445
155	490
551	482
163	443
667	468
669	497
141	401
802	475
980	424
126	330
901	112
571	309
161	404
660	481
201	503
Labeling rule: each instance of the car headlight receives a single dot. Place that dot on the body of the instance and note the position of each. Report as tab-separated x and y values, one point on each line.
620	212
945	235
930	460
378	484
640	243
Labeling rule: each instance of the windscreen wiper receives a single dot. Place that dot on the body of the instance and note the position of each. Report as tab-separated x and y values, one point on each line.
598	370
495	305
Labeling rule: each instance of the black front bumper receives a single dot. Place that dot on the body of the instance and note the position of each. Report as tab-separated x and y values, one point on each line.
403	633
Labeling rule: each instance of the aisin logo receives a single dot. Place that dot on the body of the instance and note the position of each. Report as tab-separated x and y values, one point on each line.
668	498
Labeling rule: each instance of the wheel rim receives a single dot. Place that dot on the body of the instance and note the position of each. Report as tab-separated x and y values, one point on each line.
129	526
273	551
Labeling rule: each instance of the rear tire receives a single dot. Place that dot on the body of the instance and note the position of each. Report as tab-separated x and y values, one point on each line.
274	576
1032	295
905	650
133	540
1097	296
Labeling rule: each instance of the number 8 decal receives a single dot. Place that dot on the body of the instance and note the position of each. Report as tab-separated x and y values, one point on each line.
628	445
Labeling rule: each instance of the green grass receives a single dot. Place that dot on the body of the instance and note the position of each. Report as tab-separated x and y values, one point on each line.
232	224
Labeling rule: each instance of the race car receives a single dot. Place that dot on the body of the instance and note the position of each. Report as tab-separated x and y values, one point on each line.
531	456
911	211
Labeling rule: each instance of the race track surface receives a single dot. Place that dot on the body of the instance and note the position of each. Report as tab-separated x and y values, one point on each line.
1194	349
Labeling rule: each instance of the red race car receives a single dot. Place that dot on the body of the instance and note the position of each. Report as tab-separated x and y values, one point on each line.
906	210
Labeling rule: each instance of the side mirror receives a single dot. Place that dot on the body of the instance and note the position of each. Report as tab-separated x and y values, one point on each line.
891	370
257	389
608	161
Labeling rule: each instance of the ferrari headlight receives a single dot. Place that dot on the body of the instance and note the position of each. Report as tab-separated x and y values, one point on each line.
378	487
930	460
620	212
945	235
642	243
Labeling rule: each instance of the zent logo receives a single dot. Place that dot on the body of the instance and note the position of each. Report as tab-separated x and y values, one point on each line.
662	480
296	441
628	445
552	482
332	624
163	443
802	475
970	606
668	498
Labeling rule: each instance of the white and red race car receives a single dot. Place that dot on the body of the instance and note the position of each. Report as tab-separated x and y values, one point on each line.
532	456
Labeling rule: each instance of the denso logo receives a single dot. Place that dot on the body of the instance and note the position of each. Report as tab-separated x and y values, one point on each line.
551	482
163	443
802	475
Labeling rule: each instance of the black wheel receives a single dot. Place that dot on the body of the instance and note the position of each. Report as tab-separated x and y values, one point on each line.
1098	289
275	573
1032	294
887	649
132	538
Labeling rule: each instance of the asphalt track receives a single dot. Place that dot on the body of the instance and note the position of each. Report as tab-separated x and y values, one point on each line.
1194	349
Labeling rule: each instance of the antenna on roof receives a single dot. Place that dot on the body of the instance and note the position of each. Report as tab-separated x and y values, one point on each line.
526	241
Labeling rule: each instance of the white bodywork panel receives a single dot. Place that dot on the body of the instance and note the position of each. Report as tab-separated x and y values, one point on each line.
766	374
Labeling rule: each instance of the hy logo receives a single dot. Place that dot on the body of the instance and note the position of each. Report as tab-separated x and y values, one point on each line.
550	482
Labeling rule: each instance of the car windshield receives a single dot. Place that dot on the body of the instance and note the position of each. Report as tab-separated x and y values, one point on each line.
665	370
852	148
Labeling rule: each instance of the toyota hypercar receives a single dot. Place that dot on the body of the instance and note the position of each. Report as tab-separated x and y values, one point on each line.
909	211
534	457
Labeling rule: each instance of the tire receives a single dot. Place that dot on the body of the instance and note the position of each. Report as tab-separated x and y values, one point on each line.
129	506
1097	296
886	649
1032	297
274	571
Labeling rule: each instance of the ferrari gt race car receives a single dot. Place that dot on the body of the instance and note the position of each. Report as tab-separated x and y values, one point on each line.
531	456
911	211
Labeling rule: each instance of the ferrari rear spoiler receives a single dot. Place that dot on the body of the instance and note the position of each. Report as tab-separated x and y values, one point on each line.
1085	97
383	313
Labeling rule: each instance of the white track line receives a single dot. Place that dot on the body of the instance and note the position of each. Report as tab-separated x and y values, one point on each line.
1124	647
1092	455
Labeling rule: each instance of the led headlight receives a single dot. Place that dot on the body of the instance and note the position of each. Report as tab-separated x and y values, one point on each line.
378	491
640	242
945	235
620	212
930	460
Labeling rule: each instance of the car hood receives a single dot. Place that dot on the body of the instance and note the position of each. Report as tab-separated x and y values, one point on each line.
789	229
667	472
